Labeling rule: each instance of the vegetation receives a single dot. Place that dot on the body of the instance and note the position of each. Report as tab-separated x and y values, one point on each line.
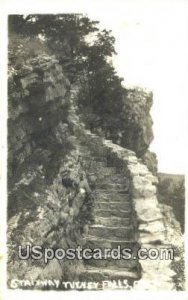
172	192
85	52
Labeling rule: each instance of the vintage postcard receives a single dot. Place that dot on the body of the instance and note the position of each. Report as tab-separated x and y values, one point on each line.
96	139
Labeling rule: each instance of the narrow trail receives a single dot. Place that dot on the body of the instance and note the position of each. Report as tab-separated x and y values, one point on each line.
114	220
113	224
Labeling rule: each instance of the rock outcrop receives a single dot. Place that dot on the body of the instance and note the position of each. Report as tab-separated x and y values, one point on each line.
37	106
78	188
137	134
45	173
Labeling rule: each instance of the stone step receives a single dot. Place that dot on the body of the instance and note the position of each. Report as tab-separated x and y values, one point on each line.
111	192
94	242
90	157
93	165
113	221
113	213
107	197
113	179
112	205
99	275
97	160
131	264
94	169
111	186
114	175
104	171
110	231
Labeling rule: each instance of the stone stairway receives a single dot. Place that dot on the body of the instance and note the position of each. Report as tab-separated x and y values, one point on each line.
130	218
113	223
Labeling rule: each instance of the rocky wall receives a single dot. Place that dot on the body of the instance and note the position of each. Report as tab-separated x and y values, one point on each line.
47	197
37	104
137	122
54	223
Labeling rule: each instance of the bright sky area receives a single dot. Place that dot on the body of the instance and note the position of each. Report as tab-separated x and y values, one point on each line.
152	47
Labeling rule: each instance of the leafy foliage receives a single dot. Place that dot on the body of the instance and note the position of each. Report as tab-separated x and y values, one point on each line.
172	192
85	53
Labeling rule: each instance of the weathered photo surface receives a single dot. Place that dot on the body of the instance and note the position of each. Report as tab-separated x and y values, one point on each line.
88	207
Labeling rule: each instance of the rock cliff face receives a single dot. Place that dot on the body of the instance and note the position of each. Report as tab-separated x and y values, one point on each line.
137	134
70	184
137	131
45	173
37	113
